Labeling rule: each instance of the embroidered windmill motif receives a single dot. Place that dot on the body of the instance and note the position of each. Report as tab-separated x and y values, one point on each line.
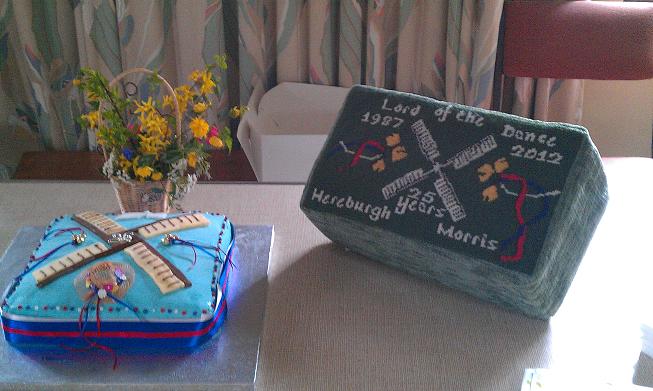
164	274
443	187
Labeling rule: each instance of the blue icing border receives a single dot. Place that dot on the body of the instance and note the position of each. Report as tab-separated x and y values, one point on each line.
59	299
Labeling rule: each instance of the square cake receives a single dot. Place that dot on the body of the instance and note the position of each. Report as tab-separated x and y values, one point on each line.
135	281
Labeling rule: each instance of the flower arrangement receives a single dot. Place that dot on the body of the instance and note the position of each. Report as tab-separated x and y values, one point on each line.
137	135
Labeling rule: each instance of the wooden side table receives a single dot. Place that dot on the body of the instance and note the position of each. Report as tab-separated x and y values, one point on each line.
77	165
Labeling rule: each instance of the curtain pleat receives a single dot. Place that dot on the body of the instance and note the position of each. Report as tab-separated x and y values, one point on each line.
472	34
322	41
257	47
422	44
44	59
210	38
350	43
292	41
548	99
382	42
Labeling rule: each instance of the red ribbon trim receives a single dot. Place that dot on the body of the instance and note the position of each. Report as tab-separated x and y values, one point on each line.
119	334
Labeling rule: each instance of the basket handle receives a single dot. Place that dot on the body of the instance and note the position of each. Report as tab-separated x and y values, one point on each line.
165	84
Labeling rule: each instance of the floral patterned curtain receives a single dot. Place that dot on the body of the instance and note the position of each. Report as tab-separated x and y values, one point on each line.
43	43
443	49
439	48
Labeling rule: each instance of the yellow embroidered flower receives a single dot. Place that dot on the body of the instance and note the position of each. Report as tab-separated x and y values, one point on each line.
195	76
199	127
192	159
144	172
156	176
207	83
216	142
200	107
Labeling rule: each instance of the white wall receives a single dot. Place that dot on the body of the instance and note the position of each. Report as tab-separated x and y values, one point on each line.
619	116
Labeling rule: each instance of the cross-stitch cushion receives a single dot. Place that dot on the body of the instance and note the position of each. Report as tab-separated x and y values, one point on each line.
498	206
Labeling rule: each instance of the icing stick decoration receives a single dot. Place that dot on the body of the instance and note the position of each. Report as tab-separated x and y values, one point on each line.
99	224
164	274
73	261
140	215
173	224
76	240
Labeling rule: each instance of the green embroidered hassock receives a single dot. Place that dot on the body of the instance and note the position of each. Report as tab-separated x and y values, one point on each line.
499	206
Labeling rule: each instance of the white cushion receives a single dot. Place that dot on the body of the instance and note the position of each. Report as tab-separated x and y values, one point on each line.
285	130
296	108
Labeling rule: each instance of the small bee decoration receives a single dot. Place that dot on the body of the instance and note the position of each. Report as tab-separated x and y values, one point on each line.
122	237
79	238
168	239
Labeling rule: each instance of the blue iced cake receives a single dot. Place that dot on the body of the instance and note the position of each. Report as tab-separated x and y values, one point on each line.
131	281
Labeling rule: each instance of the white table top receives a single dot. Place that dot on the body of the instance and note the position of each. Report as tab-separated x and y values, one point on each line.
336	320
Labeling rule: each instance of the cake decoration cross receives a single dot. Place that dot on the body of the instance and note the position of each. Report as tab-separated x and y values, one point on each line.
132	241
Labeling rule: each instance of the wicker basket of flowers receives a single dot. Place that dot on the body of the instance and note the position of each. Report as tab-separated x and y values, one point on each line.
148	159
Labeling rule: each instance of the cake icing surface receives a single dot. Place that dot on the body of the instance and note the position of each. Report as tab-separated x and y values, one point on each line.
163	286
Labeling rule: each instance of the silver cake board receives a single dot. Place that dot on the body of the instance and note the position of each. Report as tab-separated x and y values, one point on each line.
226	362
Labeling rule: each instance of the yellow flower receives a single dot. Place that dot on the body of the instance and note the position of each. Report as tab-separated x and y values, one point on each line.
199	127
183	91
151	145
168	101
195	76
144	172
144	107
123	162
155	123
156	176
236	112
207	83
92	97
221	61
200	107
77	82
184	94
93	117
216	142
192	159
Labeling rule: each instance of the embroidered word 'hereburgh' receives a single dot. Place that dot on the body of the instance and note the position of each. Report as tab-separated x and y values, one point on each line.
373	212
